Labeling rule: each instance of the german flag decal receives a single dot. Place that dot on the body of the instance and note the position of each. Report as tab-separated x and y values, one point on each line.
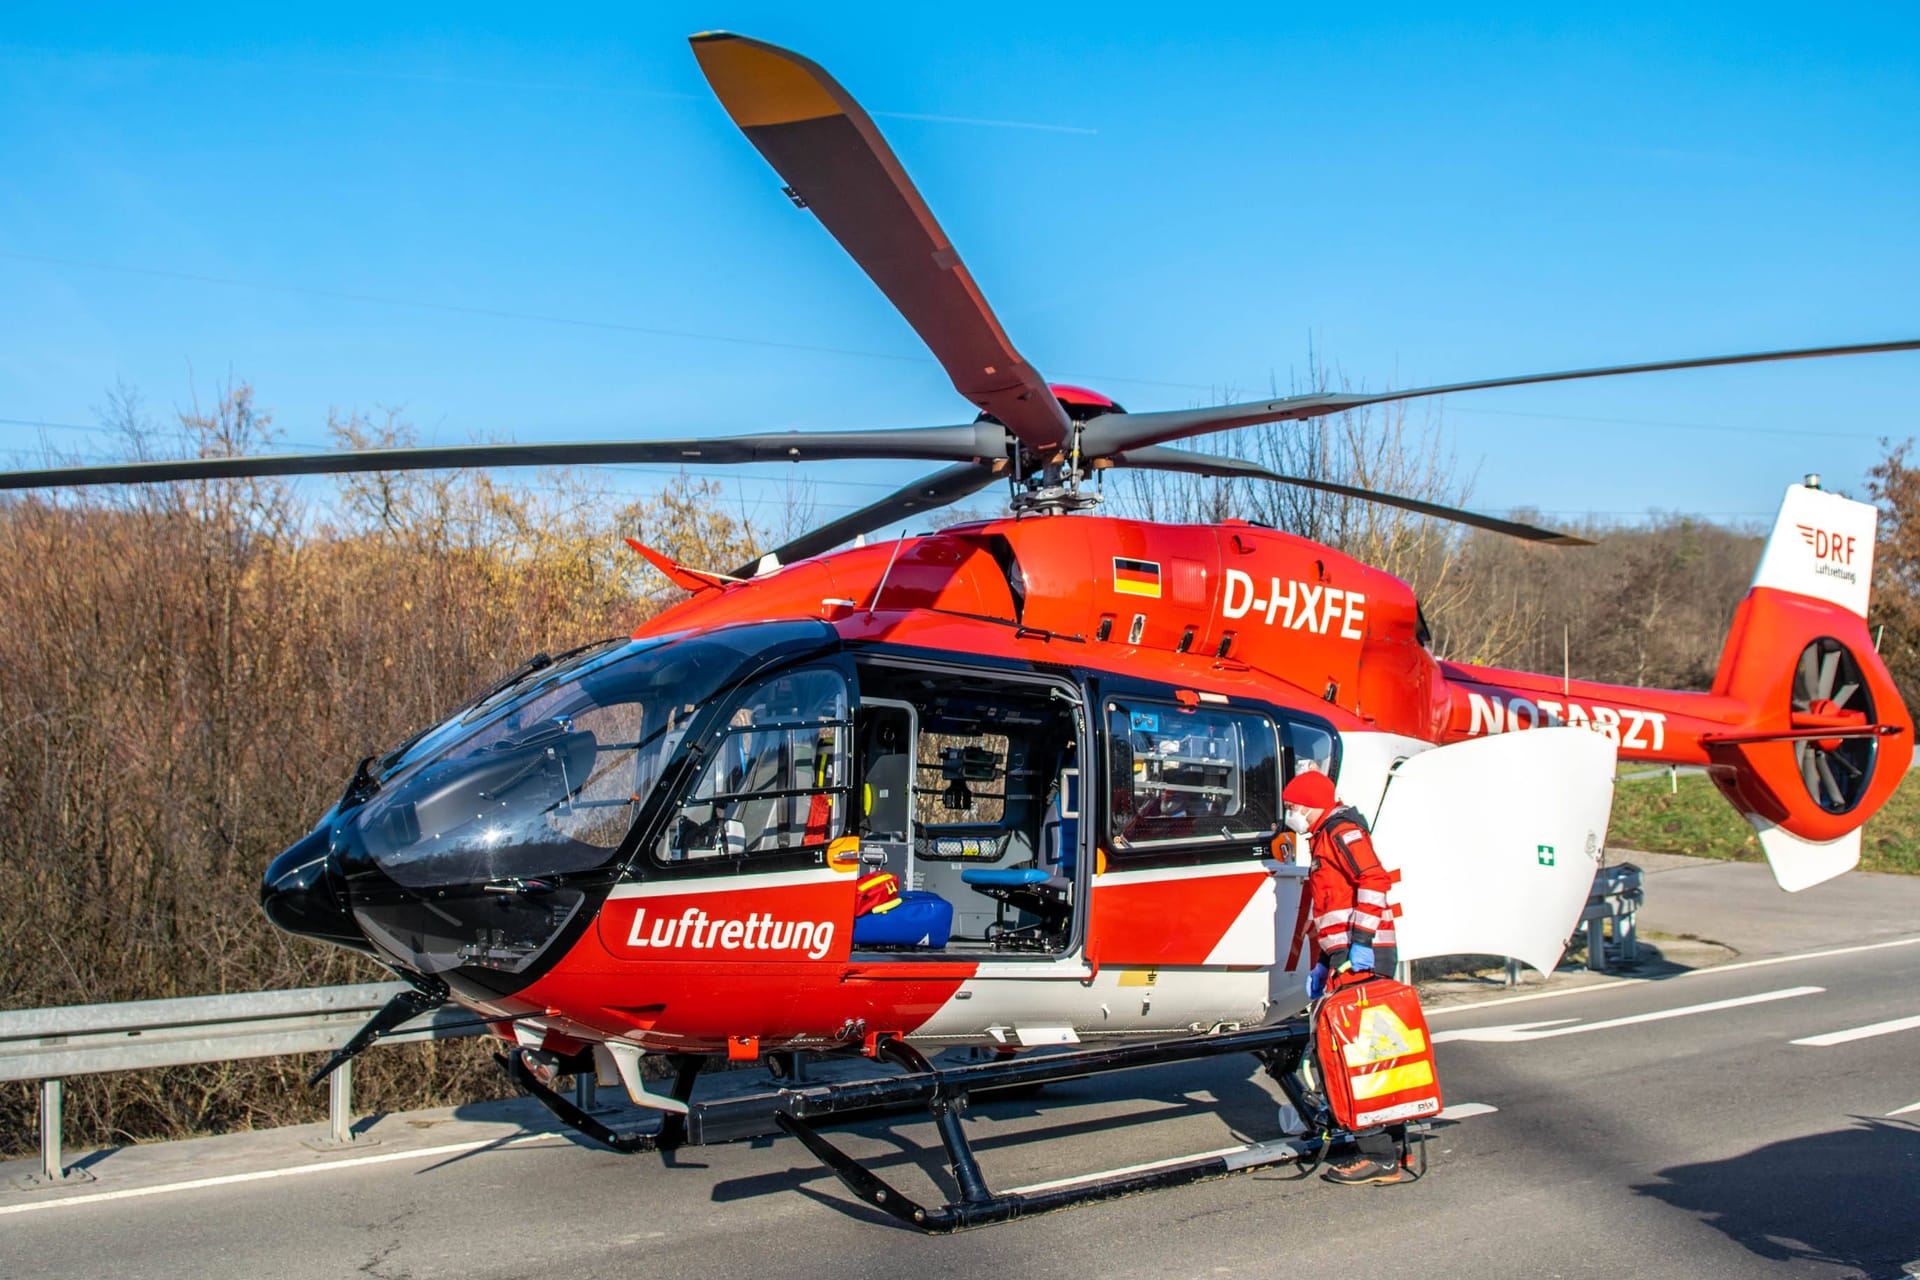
1136	577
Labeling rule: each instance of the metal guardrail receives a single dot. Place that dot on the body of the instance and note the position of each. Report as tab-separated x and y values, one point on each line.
1616	897
47	1045
1611	906
1671	772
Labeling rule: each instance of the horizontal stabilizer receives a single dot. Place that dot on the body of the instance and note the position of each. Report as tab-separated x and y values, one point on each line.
1800	864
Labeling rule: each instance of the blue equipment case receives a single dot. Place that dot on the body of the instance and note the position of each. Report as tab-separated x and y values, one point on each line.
921	920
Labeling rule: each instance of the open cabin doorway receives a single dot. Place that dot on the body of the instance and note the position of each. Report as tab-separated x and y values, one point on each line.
968	786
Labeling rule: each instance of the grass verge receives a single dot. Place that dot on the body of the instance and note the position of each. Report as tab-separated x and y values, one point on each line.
1695	820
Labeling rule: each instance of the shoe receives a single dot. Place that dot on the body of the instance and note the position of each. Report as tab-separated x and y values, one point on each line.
1357	1170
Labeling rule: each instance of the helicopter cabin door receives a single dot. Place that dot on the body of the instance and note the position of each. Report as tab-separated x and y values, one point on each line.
752	867
1507	878
1185	874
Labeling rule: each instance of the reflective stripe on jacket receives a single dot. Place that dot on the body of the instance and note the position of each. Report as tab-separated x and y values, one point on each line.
1348	887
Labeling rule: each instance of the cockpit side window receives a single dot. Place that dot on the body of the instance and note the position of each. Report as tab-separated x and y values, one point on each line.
775	779
1310	748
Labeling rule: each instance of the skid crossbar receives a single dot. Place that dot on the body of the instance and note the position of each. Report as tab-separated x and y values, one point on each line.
985	1208
946	1094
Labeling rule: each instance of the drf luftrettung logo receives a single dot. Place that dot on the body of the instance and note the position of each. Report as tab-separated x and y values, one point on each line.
1832	550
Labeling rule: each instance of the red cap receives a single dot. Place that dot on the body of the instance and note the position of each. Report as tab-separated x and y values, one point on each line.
1310	790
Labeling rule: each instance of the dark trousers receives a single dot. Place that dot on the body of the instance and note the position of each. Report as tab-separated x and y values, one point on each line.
1382	1144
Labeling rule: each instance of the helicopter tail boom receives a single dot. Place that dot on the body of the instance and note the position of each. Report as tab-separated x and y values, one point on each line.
1803	731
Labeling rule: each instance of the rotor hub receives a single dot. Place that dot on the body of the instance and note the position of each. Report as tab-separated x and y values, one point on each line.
1053	500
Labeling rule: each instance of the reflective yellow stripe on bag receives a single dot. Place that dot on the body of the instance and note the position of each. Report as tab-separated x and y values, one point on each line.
1415	1075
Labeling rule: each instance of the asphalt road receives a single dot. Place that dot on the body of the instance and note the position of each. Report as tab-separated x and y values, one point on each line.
1671	1127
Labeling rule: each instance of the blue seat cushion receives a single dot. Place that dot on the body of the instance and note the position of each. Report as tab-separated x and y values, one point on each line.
1003	877
921	920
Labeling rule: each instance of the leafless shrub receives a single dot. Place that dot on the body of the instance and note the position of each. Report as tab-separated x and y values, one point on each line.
1895	485
189	673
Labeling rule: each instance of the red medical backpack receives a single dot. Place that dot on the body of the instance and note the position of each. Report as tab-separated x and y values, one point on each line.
1374	1053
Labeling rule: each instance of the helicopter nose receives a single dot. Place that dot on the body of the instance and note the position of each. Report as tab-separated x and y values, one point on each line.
304	893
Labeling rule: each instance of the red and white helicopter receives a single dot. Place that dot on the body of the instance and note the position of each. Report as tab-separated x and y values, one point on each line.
1066	737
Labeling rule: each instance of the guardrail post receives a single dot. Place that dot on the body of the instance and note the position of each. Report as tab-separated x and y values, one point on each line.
340	1103
52	1166
1626	927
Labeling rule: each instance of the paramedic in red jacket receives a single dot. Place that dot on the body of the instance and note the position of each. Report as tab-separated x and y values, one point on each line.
1352	919
1352	923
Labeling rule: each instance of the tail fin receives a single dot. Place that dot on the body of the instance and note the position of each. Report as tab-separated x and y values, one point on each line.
1822	547
1829	738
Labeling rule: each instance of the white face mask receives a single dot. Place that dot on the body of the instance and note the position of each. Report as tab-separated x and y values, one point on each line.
1296	821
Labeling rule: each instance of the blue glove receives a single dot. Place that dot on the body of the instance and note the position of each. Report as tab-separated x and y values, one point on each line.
1360	956
1317	981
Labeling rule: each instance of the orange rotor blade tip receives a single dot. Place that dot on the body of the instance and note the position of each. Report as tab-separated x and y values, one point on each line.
762	85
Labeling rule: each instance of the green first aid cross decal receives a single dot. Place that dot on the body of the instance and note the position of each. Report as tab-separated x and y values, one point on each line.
1545	853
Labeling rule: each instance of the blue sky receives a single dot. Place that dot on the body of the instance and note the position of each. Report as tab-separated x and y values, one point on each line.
536	223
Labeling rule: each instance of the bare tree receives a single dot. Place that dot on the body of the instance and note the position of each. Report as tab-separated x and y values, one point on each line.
1894	484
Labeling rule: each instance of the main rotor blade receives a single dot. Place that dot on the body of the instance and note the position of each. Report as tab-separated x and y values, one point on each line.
979	441
1112	433
1156	457
925	494
1161	458
834	162
1513	528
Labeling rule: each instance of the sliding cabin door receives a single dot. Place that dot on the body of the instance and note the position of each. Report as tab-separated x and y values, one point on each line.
1185	873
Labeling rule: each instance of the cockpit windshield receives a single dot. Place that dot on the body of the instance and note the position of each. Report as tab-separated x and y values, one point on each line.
538	673
546	779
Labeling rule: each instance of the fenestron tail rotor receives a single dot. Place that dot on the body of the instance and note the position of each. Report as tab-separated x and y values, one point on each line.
1830	691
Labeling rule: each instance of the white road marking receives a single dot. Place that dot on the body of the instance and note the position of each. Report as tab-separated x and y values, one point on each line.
1246	1156
1621	983
1861	1033
1801	955
1501	1034
1519	1031
1904	1110
263	1175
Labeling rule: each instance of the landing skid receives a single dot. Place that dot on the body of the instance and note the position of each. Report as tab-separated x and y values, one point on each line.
673	1127
946	1094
